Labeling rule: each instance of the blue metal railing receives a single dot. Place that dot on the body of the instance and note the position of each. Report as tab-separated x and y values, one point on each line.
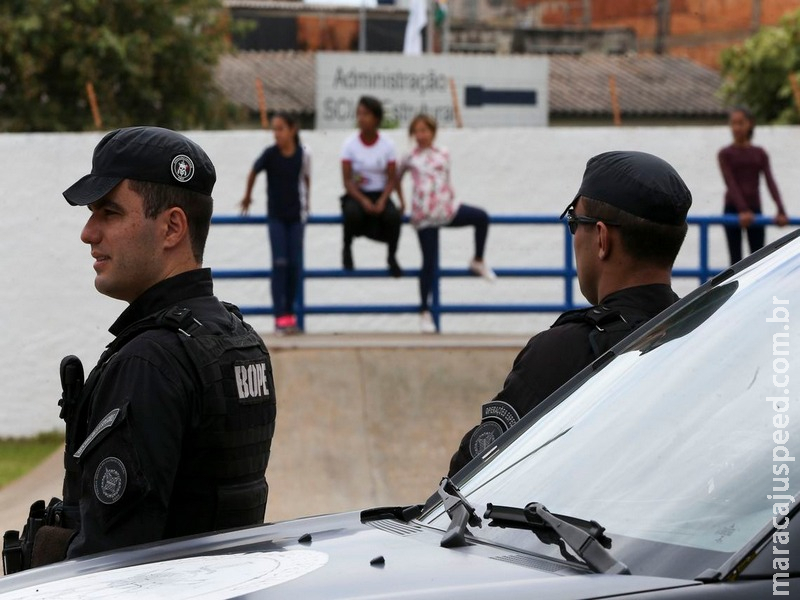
702	272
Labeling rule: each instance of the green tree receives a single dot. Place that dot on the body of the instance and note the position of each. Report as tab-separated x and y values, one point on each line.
757	71
150	61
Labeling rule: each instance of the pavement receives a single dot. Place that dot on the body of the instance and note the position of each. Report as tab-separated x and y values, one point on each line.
43	482
363	420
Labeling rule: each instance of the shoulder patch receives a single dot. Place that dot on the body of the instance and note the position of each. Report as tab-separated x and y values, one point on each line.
497	418
483	437
110	480
501	412
104	423
252	380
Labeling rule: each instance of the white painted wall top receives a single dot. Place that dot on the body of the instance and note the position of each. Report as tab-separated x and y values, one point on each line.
50	307
491	90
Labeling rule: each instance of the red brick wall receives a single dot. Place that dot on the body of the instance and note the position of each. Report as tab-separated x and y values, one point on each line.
558	12
772	11
326	33
699	29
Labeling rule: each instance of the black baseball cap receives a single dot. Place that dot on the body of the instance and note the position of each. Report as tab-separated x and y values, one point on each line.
638	183
150	154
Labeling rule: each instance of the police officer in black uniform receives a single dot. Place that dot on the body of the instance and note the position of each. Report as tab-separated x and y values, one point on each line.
628	220
170	434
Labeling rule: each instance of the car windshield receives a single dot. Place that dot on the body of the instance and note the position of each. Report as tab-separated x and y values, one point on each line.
676	445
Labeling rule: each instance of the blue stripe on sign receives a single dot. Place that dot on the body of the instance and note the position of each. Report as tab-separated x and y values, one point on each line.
475	95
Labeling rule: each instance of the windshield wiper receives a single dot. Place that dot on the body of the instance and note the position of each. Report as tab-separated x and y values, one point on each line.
461	514
586	538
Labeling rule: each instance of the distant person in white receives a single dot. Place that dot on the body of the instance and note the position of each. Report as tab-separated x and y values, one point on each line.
417	20
369	162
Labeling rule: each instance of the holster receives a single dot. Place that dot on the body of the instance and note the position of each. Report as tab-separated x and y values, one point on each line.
12	552
46	534
44	539
18	548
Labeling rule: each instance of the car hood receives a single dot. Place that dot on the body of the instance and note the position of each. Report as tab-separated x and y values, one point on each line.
335	556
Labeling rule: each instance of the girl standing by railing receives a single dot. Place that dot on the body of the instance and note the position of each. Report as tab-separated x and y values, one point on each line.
288	167
741	164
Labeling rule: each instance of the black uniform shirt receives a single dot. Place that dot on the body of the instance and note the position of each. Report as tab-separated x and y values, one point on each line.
554	356
137	419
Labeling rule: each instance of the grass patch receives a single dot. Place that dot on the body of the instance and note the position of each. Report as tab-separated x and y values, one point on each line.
20	455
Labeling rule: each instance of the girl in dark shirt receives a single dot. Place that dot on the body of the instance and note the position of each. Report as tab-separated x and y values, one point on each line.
741	164
287	165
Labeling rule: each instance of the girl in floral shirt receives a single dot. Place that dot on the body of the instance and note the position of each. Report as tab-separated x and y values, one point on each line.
433	205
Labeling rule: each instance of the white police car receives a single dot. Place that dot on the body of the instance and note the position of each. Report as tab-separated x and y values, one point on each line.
667	469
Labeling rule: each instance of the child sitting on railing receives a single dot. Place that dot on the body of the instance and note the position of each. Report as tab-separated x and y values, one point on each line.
433	205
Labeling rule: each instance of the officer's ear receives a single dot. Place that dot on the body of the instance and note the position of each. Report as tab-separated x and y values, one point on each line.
604	240
176	226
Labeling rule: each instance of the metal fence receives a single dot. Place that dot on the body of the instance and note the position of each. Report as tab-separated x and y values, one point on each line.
565	271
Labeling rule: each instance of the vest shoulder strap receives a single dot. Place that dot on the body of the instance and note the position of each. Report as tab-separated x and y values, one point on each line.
610	325
176	318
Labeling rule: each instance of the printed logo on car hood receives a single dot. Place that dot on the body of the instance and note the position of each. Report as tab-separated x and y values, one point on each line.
209	577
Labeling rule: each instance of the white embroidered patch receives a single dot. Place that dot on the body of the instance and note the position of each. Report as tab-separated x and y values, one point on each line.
110	480
182	168
252	380
104	423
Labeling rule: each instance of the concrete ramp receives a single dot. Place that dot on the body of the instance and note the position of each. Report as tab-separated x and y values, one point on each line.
362	420
372	421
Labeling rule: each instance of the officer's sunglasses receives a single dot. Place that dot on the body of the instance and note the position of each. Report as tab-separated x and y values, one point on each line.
574	220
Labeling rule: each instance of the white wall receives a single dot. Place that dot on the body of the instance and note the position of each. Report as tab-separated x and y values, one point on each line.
51	309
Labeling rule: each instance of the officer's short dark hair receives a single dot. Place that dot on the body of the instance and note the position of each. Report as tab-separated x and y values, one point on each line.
373	105
158	197
646	240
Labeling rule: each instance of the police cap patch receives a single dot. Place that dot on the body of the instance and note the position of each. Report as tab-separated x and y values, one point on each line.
110	480
182	168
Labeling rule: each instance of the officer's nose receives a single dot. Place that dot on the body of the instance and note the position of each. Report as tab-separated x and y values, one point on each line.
91	232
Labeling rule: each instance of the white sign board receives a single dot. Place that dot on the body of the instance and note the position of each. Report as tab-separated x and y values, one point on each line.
505	91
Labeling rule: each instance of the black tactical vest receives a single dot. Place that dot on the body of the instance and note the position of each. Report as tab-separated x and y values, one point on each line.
220	479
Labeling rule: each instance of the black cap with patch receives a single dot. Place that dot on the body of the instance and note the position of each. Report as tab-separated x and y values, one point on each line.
638	183
145	154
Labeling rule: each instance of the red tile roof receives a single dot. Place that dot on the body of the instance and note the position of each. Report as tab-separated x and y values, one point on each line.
287	78
646	86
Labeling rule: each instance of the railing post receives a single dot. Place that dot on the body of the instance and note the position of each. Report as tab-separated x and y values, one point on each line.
436	306
300	301
568	272
704	273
